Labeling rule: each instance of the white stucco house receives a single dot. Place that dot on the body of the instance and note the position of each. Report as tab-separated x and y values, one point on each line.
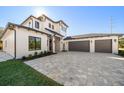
34	35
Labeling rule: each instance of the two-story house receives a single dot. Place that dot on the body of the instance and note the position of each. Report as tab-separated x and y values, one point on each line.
35	34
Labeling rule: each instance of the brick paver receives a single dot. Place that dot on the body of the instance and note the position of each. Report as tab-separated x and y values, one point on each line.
82	68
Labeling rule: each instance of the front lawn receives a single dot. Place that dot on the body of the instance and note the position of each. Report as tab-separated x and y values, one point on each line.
16	73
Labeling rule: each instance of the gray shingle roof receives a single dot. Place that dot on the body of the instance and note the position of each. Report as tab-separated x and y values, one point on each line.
92	35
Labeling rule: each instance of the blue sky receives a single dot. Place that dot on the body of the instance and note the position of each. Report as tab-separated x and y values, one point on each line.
81	19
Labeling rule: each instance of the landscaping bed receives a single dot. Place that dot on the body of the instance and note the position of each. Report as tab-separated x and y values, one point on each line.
16	73
37	55
121	53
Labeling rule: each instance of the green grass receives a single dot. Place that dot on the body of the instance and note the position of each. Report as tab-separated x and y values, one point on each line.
16	73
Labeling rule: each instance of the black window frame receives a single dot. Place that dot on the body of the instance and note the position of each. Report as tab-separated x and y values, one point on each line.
37	24
52	26
49	25
35	47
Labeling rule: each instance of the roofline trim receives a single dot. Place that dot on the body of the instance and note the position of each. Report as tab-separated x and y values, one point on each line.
70	38
21	27
54	32
47	18
55	21
28	18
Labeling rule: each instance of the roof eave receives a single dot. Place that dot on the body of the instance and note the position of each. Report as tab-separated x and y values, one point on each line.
22	27
71	38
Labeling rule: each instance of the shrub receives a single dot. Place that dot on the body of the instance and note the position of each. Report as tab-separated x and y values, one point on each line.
64	50
35	54
49	53
30	56
23	58
45	53
41	54
121	52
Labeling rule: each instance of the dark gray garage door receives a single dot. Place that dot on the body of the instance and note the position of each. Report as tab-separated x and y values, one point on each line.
79	46
103	46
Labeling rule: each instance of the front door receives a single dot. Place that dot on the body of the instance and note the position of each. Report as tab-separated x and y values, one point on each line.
50	45
57	44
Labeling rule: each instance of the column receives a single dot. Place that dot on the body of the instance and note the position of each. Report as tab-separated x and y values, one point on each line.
53	44
92	46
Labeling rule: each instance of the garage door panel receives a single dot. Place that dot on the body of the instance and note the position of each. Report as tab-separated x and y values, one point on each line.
104	46
79	46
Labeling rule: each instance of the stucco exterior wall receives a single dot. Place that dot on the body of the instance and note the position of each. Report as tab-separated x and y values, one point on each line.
92	43
56	25
22	42
45	24
64	33
26	23
32	25
8	42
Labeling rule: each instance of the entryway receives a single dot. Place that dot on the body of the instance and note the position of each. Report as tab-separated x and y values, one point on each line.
56	43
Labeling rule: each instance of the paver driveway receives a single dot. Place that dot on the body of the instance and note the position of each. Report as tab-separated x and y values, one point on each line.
79	68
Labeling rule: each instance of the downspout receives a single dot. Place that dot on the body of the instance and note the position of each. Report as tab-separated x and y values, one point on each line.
14	43
11	27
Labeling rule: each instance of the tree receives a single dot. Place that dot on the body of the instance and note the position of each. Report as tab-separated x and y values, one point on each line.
1	30
121	43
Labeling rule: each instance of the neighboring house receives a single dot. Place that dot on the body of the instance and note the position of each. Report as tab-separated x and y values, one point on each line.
107	43
34	35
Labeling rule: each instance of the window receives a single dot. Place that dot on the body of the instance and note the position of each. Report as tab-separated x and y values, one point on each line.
63	28
36	24
52	26
29	24
34	43
38	43
49	25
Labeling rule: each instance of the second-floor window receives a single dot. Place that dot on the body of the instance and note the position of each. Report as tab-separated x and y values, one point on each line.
63	28
49	25
36	24
29	24
52	26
